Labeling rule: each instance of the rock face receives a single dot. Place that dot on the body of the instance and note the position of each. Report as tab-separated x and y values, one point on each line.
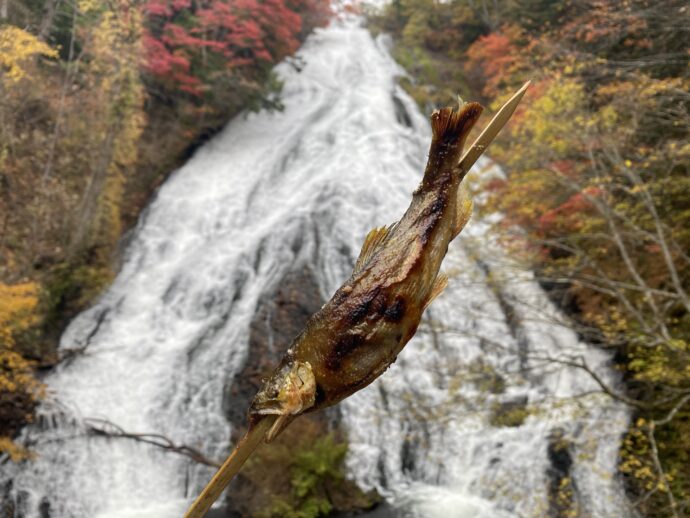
279	317
312	447
562	491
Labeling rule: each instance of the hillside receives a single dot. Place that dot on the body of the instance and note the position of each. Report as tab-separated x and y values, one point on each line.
597	194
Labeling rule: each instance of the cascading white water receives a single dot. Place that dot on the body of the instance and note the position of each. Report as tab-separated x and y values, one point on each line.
304	186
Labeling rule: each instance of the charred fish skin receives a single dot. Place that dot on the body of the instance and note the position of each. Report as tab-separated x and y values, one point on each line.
358	334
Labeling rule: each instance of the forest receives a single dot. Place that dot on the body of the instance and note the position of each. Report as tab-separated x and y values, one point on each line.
598	184
101	101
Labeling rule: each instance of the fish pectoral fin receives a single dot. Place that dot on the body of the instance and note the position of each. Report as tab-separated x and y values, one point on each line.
280	424
463	210
371	243
439	285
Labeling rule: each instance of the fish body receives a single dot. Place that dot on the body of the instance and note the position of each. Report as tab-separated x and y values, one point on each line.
359	333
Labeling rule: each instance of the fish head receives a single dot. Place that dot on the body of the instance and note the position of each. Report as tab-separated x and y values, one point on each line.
289	391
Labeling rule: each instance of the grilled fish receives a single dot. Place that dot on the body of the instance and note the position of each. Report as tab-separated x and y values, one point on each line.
359	333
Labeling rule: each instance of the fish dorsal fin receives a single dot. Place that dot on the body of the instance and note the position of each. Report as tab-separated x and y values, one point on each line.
374	238
439	285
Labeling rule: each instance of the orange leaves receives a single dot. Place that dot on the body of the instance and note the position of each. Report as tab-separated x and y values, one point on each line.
571	215
493	56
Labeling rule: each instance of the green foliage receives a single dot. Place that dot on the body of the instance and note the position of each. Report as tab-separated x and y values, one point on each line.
311	470
429	36
311	507
323	460
69	288
300	475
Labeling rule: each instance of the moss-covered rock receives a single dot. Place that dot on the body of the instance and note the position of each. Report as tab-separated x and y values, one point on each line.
509	413
300	475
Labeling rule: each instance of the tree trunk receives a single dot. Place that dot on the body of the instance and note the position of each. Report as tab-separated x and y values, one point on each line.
49	10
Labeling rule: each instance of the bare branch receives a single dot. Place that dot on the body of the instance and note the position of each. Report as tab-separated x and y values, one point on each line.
106	428
660	471
673	411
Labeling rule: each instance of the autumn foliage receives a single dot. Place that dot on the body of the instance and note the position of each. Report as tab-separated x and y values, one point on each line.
19	390
597	194
600	161
493	59
194	46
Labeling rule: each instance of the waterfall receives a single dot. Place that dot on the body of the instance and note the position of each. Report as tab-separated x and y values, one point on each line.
445	432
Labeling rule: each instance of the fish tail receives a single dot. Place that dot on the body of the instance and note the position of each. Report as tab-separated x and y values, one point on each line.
450	128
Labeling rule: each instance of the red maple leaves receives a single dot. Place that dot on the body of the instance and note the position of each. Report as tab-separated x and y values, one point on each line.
189	44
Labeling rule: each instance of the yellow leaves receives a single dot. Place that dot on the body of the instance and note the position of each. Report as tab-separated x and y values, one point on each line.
608	118
16	47
679	345
551	125
15	452
19	389
610	321
634	456
86	6
618	137
115	95
17	310
16	376
661	364
555	117
17	298
17	313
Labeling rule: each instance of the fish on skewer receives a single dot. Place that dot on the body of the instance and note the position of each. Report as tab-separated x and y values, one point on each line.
359	333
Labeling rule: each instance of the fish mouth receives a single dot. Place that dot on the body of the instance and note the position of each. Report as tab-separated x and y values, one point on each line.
289	391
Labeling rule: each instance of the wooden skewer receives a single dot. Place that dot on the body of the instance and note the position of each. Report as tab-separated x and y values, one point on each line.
245	447
492	129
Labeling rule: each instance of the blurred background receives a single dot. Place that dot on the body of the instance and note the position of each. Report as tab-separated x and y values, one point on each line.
183	182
